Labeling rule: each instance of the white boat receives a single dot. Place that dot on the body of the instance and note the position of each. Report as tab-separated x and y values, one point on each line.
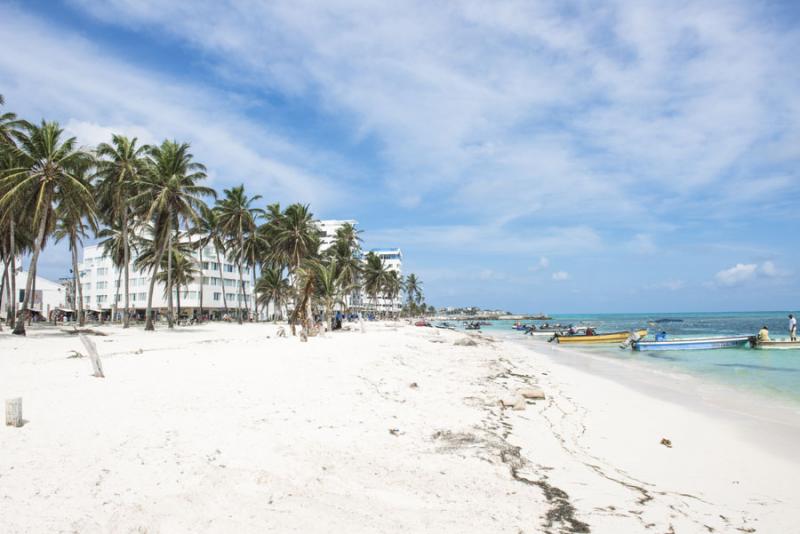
697	343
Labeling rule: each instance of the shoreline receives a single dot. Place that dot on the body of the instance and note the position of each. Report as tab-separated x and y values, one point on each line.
222	427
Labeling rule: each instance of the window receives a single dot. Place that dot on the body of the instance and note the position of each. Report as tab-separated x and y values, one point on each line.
214	266
231	283
205	265
228	268
215	281
230	296
86	299
217	296
102	285
142	296
101	298
132	297
102	271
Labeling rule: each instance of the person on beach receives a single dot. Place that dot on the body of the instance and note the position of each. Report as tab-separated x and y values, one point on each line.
792	328
763	334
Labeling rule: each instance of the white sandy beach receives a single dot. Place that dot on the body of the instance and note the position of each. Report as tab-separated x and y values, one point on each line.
226	428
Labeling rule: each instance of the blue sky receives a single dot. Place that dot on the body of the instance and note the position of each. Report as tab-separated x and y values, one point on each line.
534	156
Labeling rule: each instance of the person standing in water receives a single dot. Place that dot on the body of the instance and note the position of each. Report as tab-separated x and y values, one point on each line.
792	328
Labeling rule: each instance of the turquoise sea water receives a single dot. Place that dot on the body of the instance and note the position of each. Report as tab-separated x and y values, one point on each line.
770	372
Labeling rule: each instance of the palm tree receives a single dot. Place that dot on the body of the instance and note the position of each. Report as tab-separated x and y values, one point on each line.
44	176
328	287
207	230
392	286
9	126
121	164
183	271
74	218
238	220
169	194
413	289
295	240
375	277
273	287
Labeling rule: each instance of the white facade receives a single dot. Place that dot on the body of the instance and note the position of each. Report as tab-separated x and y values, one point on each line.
328	230
392	258
47	297
100	279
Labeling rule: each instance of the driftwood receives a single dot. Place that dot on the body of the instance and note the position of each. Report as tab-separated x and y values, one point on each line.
97	365
14	412
77	331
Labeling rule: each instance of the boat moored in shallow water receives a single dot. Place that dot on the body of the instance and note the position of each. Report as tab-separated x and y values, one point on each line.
698	343
780	344
613	337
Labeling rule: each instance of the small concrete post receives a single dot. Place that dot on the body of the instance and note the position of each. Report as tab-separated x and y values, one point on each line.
14	412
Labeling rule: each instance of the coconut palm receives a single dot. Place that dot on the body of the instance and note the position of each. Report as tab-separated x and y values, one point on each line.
10	126
207	232
121	164
413	289
237	220
375	277
44	175
273	287
392	287
329	287
181	272
169	194
74	218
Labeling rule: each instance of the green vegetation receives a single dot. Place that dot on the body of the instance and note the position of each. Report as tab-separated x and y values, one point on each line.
149	203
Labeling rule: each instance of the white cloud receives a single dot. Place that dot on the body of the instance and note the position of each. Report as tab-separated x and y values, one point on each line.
540	265
737	274
743	272
527	107
92	95
560	276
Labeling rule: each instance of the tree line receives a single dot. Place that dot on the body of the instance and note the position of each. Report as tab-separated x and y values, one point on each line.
148	203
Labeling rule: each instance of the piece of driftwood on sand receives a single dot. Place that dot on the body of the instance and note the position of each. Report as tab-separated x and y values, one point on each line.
97	365
76	331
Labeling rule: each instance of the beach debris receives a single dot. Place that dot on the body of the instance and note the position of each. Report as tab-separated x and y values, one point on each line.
138	351
507	402
14	412
436	340
94	356
77	331
413	385
303	336
531	393
667	443
520	405
75	354
465	342
395	432
281	332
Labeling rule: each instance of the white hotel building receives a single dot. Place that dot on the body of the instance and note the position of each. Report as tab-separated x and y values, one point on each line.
100	279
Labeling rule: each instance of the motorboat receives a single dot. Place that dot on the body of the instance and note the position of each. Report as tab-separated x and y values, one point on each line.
697	343
780	344
612	337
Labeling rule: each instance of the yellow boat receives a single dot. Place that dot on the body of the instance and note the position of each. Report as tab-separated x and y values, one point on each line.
615	337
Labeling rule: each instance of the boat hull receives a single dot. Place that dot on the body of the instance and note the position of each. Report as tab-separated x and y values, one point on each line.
614	337
692	344
779	345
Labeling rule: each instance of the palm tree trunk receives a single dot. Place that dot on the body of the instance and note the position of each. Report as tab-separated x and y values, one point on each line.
149	312
4	287
78	287
241	278
169	280
201	283
12	318
33	297
116	296
178	295
127	258
221	280
253	296
19	328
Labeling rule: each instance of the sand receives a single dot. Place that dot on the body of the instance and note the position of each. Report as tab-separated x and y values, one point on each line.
227	428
